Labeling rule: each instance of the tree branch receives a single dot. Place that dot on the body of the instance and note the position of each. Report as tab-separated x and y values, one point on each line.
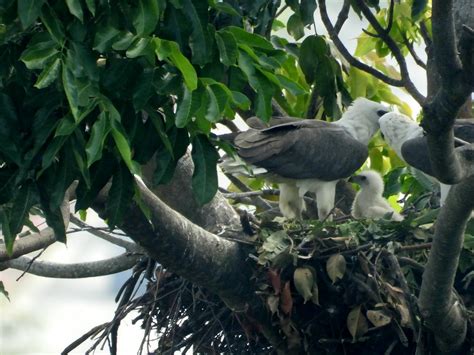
413	53
342	17
457	83
29	244
73	271
345	53
187	249
397	53
442	313
178	194
129	246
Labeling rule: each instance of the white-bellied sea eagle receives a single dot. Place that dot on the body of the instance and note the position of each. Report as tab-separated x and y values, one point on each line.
311	155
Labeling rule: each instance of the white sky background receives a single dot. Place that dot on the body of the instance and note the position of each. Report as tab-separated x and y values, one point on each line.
46	315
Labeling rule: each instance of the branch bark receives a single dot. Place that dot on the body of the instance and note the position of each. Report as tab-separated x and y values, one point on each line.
457	83
73	271
187	249
442	312
178	194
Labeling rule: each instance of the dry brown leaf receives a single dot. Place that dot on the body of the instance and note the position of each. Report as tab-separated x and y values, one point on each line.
357	323
286	301
272	303
336	267
304	280
275	280
378	318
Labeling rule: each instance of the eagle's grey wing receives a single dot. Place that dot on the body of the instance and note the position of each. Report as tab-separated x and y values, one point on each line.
257	123
306	149
464	129
415	151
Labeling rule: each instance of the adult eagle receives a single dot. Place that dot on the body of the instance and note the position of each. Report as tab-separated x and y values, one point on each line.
408	141
311	155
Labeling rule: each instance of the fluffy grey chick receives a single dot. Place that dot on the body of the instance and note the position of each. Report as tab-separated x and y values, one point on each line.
369	202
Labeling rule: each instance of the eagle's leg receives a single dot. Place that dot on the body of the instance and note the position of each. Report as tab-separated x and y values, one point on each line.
325	198
290	203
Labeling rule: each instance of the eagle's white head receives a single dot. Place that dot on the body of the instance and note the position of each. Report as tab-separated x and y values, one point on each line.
362	118
396	129
369	181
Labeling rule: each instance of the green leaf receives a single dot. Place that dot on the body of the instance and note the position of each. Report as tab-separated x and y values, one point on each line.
70	90
264	88
124	41
99	132
166	160
197	14
9	237
22	203
204	180
240	100
290	85
53	215
307	9
123	146
250	39
75	9
213	112
183	114
225	8
169	49
312	50
227	46
37	55
139	48
104	37
417	8
295	26
147	16
91	6
7	183
28	11
120	196
49	74
144	89
100	174
4	291
53	24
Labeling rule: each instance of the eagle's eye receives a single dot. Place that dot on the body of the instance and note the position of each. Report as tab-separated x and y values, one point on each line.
363	178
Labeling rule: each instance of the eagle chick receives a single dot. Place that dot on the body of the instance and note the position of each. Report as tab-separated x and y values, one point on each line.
369	202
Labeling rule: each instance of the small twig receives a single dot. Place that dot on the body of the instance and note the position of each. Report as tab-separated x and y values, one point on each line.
414	247
94	331
342	17
31	263
281	11
129	246
259	202
413	53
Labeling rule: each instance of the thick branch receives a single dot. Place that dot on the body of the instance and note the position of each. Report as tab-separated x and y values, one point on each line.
457	83
73	271
178	194
187	249
28	244
442	313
